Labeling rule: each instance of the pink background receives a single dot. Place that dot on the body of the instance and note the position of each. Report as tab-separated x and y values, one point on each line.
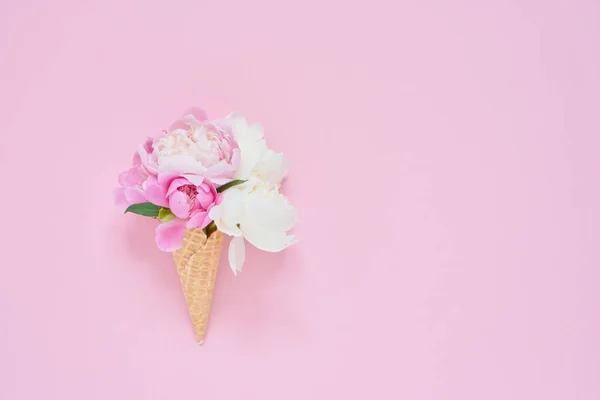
444	166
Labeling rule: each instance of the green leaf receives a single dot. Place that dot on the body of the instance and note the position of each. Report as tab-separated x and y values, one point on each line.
226	186
145	209
165	215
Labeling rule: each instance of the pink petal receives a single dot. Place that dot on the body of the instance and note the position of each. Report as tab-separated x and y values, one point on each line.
148	145
119	199
137	160
179	124
190	117
195	180
133	177
123	178
134	195
176	184
236	158
205	196
198	113
199	220
179	164
220	173
166	178
147	161
169	235
155	192
178	203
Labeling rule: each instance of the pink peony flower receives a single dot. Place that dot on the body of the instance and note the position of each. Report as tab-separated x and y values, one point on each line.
190	198
194	145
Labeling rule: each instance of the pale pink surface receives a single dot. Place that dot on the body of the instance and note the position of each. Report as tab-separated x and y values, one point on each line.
443	162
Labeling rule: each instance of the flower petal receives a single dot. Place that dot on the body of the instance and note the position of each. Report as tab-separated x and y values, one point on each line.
194	179
233	207
196	112
134	195
137	160
267	215
178	203
179	124
237	254
199	219
146	158
180	165
155	192
123	178
191	116
266	240
244	131
250	153
119	199
269	210
251	144
221	172
229	213
272	167
176	184
169	235
206	195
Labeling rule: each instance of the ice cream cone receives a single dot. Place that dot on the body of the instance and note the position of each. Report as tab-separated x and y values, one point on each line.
197	263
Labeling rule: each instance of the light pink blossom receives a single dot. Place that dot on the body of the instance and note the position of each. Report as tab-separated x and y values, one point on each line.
194	145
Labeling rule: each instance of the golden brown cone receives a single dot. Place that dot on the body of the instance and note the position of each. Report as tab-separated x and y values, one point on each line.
197	263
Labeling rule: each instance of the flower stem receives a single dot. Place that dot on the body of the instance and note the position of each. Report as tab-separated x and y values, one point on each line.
210	229
226	186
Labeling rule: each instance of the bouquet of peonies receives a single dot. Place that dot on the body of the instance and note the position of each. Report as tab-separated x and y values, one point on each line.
202	179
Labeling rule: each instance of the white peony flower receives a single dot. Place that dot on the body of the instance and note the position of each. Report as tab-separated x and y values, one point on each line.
258	213
257	160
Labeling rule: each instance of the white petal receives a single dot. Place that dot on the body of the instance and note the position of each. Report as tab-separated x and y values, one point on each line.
269	210
250	153
215	214
237	254
233	207
243	131
252	145
267	217
229	213
271	167
272	241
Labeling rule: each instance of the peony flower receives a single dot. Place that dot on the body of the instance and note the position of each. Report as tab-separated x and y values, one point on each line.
258	213
257	160
189	200
194	145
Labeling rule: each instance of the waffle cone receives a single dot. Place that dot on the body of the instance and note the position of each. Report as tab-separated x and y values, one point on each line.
197	263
